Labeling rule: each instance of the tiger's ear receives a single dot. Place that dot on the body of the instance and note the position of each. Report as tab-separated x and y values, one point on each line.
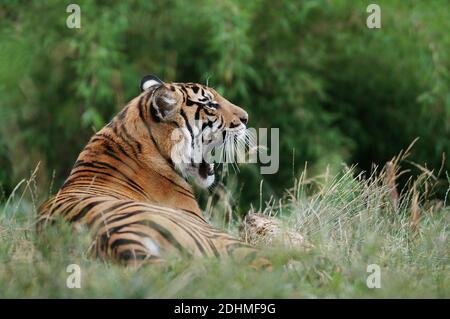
165	102
149	81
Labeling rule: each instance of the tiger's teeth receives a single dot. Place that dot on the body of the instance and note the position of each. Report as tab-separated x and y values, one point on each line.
210	169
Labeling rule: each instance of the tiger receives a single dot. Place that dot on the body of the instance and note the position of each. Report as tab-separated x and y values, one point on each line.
132	184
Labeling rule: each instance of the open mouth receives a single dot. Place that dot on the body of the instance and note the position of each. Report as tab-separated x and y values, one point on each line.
205	169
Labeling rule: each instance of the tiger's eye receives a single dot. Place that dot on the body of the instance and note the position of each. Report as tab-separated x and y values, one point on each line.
213	105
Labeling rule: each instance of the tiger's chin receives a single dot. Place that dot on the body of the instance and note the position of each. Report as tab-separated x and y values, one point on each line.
201	174
205	175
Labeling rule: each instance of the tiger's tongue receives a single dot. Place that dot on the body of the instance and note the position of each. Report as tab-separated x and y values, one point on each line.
205	169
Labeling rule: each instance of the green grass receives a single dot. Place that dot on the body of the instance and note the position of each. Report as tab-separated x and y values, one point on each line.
349	222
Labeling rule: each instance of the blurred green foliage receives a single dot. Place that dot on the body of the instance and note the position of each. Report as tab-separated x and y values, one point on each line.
338	91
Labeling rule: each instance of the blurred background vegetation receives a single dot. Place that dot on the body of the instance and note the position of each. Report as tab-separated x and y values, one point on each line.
338	91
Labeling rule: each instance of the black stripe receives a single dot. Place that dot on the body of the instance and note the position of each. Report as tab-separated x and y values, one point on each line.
184	96
111	140
103	165
187	231
213	248
109	152
121	173
193	213
154	114
123	113
107	143
186	194
222	123
108	210
129	140
105	174
195	89
125	215
123	241
207	124
189	102
87	181
188	126
102	244
164	232
127	255
197	113
85	210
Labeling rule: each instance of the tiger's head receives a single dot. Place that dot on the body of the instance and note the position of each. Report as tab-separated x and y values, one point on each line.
188	120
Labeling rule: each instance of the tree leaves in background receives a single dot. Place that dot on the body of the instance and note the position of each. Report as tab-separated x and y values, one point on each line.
338	91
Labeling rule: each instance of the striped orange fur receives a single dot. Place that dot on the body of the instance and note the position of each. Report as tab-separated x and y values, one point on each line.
130	185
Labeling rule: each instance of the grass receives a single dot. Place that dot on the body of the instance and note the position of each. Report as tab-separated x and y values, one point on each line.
349	222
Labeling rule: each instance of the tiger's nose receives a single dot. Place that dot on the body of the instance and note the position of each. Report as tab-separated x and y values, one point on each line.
238	120
244	119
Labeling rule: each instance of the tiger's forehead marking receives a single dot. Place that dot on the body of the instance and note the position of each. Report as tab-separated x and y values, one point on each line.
195	90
